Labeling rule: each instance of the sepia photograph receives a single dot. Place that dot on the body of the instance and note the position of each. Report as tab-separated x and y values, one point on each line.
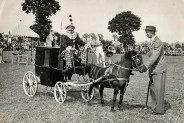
92	61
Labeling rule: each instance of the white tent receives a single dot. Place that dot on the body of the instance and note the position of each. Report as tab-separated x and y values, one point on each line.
22	30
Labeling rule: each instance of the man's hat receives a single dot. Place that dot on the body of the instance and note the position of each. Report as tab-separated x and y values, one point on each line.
150	28
70	23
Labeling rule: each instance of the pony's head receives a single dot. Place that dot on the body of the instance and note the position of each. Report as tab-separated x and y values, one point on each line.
135	57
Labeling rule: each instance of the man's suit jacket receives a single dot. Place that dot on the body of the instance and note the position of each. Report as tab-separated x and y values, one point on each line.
156	62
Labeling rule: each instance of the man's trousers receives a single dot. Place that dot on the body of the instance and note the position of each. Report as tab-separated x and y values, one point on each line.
157	92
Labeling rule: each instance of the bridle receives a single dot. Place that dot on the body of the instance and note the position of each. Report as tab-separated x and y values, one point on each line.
135	60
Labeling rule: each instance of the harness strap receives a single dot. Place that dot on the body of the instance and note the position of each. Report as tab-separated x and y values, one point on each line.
120	79
109	70
118	71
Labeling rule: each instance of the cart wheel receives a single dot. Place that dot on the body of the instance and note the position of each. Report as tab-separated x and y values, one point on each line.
85	95
60	92
30	84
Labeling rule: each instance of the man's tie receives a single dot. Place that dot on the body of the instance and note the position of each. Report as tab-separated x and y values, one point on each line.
151	42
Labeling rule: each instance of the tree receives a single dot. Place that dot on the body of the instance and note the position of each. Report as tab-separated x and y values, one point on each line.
93	36
124	24
165	44
1	36
42	10
85	36
100	37
114	36
178	45
182	46
1	41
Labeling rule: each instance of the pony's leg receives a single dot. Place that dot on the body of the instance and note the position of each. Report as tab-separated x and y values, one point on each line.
101	95
122	92
116	89
90	91
121	98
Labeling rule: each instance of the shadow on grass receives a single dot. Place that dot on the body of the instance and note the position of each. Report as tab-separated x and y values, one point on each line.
48	94
126	105
72	95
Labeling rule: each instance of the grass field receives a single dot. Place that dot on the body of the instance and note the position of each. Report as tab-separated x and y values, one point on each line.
16	107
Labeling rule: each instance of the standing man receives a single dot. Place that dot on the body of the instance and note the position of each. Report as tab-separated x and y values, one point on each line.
156	66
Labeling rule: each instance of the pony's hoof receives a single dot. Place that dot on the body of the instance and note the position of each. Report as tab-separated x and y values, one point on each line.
89	104
102	102
120	107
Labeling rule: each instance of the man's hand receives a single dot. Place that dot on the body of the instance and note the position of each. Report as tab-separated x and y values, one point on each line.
69	48
142	68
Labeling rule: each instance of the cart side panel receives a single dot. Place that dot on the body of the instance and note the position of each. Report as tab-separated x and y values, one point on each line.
45	76
39	60
57	75
54	52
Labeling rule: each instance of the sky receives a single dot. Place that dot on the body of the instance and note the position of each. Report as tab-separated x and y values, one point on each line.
92	16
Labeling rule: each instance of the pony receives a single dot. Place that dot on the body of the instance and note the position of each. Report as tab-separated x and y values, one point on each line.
115	76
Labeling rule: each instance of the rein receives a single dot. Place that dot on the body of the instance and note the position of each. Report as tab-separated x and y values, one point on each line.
126	67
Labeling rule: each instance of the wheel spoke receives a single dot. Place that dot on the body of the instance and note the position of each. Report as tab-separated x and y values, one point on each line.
34	82
60	89
30	91
34	85
26	83
32	77
57	87
27	77
61	97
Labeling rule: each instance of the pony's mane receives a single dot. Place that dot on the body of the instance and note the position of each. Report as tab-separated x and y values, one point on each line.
122	59
127	56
